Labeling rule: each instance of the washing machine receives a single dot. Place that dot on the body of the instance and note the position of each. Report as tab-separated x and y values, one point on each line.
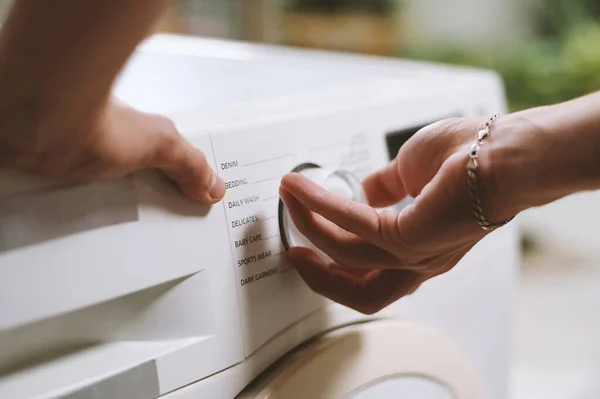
126	289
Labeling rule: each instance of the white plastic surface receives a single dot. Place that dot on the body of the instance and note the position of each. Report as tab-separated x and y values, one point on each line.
421	387
347	361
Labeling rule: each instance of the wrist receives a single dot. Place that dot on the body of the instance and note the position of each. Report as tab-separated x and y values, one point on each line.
537	156
500	183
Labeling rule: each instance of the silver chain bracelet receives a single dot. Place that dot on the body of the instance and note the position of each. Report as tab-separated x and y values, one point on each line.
472	178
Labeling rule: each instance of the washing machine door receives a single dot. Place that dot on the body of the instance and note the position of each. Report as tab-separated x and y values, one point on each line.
373	360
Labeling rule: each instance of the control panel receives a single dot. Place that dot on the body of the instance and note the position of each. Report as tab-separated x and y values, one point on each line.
259	227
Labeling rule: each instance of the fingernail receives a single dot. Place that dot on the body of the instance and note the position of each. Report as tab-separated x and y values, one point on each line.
217	187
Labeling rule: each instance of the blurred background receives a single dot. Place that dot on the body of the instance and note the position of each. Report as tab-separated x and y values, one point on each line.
546	51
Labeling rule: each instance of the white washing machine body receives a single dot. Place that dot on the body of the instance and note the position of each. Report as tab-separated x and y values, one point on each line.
125	289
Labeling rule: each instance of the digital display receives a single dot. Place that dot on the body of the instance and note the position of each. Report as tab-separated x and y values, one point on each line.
396	139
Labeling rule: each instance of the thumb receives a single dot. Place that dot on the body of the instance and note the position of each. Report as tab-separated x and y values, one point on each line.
384	187
134	140
185	164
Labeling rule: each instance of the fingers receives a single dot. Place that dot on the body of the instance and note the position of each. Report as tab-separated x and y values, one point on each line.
419	160
182	162
342	246
384	187
131	140
365	292
421	157
354	217
440	219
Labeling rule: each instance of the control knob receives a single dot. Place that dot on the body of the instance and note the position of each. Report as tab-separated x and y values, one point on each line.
338	181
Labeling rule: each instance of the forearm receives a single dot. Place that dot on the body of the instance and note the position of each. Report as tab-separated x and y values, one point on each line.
59	57
543	154
576	124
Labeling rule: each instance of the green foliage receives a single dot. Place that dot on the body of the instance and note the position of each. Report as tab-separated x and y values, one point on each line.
581	59
554	18
537	72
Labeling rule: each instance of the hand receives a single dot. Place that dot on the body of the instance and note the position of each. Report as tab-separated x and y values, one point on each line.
380	257
117	142
57	118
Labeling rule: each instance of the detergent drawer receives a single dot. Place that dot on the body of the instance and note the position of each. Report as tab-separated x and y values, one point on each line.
104	282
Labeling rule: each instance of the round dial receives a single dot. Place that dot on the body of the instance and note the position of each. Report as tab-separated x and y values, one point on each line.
337	181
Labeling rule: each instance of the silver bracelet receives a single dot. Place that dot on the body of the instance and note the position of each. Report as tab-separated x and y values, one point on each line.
472	179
